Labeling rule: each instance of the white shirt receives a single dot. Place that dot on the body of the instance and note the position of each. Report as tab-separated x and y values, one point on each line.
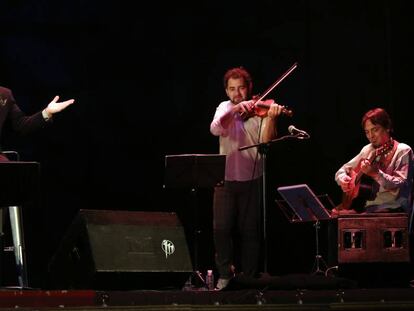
240	165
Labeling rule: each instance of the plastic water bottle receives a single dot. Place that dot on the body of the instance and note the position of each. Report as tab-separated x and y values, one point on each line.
187	286
210	280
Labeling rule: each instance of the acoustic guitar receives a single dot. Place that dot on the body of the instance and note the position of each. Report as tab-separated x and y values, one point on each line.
365	188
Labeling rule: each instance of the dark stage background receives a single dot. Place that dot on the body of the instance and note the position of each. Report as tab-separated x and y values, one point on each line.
147	79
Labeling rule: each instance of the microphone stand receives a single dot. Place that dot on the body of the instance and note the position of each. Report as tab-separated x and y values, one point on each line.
263	149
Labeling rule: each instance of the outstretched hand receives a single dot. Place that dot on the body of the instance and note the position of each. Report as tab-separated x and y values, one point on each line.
55	106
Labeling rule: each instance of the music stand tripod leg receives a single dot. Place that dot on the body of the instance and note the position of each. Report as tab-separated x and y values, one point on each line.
318	257
16	223
196	236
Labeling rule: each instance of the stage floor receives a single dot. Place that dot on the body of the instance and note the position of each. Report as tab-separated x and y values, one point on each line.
243	299
290	292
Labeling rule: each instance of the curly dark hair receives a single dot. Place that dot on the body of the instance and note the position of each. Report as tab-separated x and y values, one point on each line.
238	73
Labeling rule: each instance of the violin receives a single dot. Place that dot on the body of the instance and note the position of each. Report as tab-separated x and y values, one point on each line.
260	108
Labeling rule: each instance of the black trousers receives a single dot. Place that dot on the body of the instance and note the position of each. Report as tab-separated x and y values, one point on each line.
236	214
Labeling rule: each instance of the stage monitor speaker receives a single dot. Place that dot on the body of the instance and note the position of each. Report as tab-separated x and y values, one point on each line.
118	250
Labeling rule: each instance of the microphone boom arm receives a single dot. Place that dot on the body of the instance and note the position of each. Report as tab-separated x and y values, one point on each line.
268	143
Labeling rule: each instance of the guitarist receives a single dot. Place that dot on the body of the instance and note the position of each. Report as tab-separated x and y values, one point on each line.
387	163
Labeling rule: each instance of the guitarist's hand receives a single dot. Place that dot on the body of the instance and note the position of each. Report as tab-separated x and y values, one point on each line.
368	169
345	183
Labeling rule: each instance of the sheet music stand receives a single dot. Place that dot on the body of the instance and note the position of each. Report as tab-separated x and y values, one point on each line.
305	206
19	185
194	171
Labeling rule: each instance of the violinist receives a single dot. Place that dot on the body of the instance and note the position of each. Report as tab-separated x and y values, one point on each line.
236	207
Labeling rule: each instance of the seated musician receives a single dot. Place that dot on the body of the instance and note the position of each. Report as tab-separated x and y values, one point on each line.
379	178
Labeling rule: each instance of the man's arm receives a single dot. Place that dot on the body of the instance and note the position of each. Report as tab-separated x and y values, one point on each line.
269	131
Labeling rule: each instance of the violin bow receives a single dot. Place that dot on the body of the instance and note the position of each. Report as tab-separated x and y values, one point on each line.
276	83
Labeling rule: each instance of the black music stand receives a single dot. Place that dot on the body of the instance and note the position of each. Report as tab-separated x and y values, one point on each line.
194	171
19	184
305	206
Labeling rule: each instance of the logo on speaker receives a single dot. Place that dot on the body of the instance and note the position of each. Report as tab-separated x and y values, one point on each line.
3	101
167	247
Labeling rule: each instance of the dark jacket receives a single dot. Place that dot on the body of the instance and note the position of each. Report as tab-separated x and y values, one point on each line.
19	121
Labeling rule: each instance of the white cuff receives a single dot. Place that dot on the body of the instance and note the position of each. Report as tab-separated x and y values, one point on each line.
45	115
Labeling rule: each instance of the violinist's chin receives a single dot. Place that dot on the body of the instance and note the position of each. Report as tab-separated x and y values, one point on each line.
237	100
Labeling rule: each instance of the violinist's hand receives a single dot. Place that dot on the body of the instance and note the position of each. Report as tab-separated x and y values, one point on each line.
55	106
245	106
275	110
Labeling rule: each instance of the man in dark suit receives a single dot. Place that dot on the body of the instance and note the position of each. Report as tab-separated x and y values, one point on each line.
21	122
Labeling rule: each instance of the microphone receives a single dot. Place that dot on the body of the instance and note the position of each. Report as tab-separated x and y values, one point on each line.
295	131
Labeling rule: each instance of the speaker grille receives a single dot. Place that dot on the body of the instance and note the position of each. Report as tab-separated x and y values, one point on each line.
122	250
